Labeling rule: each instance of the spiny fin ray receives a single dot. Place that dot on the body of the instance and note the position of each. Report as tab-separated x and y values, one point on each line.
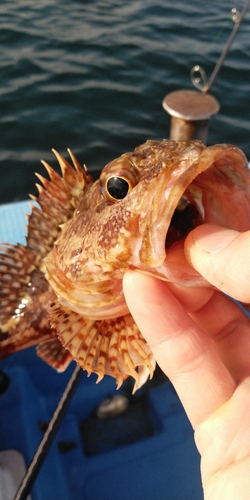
103	346
58	198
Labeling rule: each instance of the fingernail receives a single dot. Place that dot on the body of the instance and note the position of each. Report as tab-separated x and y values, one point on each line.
211	238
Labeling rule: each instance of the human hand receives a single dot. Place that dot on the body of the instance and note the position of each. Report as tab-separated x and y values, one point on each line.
201	340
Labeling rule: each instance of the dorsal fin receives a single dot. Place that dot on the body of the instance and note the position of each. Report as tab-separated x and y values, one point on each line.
58	197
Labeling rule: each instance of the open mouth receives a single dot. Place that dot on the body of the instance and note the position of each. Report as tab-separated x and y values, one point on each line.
187	215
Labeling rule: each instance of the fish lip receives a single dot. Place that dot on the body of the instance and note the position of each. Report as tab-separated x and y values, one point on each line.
167	261
154	244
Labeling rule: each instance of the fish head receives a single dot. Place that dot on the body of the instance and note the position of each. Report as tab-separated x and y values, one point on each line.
137	215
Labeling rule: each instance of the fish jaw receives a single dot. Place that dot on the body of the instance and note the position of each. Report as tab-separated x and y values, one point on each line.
93	299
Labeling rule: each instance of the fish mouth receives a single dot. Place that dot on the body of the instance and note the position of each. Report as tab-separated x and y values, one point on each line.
214	189
186	217
188	214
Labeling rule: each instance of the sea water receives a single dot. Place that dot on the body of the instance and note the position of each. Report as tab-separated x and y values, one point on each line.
91	75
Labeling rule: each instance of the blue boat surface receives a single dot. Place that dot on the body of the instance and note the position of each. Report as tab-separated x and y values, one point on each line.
147	452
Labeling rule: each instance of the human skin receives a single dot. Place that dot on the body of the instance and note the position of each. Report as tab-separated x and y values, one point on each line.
201	340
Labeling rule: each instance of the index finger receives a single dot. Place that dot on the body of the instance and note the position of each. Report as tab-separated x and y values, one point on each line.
182	349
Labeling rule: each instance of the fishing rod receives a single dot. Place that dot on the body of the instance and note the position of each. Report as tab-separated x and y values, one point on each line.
48	436
197	73
190	110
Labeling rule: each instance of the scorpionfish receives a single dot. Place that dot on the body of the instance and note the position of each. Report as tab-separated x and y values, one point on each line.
63	290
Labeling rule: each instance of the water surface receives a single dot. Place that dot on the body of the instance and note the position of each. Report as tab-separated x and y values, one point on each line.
91	75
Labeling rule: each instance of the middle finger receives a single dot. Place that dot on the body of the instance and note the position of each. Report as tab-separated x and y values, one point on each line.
223	321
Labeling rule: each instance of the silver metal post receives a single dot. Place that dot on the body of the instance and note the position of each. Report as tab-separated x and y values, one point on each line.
190	113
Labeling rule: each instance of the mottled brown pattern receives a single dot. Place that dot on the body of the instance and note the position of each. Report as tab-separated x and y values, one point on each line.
67	281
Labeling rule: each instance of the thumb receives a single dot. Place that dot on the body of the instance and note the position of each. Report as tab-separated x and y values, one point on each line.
222	256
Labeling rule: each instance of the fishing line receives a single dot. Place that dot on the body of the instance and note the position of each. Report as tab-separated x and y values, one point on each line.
197	73
49	435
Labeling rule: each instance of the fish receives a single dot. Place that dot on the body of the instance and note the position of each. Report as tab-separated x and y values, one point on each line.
62	291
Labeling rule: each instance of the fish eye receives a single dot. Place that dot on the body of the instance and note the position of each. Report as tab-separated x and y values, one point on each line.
119	177
117	188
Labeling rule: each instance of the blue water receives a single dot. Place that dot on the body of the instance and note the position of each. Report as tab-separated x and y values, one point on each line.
91	75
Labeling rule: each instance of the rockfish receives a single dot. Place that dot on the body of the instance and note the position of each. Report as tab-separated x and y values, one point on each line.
63	290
